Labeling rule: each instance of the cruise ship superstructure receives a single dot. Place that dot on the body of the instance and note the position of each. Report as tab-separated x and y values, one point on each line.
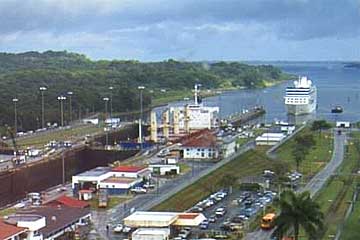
302	97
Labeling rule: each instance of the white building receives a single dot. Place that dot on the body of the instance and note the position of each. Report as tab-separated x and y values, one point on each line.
228	145
117	180
164	169
151	234
343	124
269	138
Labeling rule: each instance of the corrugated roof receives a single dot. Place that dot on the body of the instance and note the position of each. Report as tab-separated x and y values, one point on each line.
129	169
8	230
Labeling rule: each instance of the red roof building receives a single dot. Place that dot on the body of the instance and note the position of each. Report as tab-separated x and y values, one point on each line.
69	202
201	139
8	231
128	169
200	145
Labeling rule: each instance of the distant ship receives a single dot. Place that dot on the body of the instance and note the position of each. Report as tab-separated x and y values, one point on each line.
301	98
337	109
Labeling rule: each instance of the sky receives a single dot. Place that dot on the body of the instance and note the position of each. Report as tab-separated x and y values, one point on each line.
153	30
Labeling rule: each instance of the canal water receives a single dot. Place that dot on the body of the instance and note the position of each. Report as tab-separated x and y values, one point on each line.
336	85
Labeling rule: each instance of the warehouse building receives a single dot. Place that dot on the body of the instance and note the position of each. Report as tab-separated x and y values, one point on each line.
116	180
160	225
269	138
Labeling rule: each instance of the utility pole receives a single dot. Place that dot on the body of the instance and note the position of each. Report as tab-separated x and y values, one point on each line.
70	105
15	100
106	100
111	100
61	99
42	90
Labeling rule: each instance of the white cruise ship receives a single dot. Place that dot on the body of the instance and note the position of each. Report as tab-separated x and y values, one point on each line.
301	98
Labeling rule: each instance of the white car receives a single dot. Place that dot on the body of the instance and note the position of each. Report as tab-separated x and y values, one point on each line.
126	229
118	228
138	190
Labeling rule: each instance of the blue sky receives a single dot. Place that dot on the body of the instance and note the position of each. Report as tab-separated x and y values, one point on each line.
151	30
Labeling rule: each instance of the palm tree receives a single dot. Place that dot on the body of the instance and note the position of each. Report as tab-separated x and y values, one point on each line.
298	211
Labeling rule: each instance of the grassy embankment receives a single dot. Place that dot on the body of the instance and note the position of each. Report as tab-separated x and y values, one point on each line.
335	196
249	164
351	182
39	140
317	158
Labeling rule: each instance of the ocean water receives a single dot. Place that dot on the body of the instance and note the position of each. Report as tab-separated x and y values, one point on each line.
336	85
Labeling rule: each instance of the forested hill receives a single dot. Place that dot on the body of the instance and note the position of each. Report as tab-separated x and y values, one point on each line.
22	74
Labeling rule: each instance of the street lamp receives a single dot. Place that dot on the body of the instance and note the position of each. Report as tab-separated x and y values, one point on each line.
42	90
141	88
111	100
15	100
61	99
70	104
106	100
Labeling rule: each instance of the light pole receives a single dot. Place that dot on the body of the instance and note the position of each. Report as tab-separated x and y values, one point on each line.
42	90
70	105
106	100
15	100
61	99
141	88
111	100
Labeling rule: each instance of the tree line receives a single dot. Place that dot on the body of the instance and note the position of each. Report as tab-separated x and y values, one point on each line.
22	74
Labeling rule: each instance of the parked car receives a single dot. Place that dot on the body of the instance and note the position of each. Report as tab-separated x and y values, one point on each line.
138	190
118	228
126	229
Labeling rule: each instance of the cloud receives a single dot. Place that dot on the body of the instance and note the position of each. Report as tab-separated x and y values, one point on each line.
186	29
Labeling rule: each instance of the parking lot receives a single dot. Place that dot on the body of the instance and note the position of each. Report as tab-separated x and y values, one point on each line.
229	212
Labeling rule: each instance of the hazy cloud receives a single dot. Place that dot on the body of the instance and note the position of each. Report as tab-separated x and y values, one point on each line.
186	29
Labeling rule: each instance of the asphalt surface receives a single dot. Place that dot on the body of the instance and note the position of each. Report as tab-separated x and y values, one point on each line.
317	182
146	201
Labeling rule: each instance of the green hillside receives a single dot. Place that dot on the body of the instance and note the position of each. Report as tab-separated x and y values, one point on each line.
22	74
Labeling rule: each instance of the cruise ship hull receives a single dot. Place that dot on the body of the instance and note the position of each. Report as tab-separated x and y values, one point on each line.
300	109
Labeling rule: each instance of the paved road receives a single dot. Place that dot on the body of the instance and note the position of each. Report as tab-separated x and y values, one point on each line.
147	201
316	183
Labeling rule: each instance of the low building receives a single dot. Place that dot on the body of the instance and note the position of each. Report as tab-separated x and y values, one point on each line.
200	145
269	138
85	195
144	219
117	180
119	185
58	220
164	169
189	219
150	219
228	145
151	234
343	124
10	231
32	222
89	179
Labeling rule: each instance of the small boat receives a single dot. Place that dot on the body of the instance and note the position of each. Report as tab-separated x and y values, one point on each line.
337	109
